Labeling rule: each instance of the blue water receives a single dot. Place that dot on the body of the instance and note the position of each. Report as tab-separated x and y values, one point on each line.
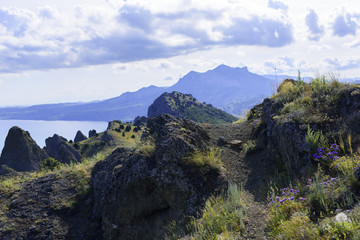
40	130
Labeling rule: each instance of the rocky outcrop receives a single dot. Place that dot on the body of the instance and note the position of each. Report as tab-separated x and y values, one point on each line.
57	147
113	125
140	121
21	152
186	106
93	133
137	194
79	137
286	139
161	105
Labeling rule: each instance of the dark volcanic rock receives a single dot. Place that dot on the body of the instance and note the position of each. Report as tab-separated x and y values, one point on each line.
79	137
92	133
21	152
137	195
140	121
160	106
58	148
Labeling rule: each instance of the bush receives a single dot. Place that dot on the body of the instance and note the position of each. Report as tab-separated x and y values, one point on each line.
49	163
128	128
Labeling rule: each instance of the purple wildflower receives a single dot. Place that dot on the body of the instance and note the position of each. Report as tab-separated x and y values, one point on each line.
338	210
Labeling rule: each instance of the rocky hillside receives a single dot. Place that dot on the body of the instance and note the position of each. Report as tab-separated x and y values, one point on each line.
186	106
290	170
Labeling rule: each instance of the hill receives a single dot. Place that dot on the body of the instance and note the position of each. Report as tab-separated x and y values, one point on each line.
295	156
186	106
230	89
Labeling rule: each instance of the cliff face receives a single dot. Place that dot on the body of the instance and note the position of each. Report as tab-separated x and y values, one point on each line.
137	194
186	106
21	152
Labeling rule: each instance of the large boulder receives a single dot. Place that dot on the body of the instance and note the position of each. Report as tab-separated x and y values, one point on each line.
58	147
21	152
137	194
79	137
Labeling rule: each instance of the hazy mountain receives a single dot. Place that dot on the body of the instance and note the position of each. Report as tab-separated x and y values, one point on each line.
230	89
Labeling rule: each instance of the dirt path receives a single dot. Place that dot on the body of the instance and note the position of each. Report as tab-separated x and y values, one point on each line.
248	171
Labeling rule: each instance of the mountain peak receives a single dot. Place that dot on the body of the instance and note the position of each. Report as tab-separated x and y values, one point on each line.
223	68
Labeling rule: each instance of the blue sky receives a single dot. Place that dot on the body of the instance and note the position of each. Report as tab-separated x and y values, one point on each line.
82	50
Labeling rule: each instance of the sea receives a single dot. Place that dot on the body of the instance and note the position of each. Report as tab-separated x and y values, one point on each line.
40	130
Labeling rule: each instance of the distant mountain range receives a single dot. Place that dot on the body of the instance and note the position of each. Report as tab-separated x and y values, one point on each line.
230	89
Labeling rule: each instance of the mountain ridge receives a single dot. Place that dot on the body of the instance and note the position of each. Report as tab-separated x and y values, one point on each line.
230	89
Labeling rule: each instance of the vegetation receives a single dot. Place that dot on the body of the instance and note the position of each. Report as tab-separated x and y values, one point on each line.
222	217
206	159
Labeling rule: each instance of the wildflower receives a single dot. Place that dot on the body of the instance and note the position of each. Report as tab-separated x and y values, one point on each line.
292	198
347	211
337	210
333	179
302	199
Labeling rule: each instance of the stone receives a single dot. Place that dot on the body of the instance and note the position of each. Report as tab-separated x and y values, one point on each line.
93	133
58	147
79	137
235	143
21	152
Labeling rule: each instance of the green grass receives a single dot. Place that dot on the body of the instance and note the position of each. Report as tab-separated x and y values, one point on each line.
221	216
208	158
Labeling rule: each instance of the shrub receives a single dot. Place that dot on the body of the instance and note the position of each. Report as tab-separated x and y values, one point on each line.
128	128
49	163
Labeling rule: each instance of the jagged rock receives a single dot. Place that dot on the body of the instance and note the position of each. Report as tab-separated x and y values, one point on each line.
21	152
93	133
57	147
137	195
140	121
114	125
79	137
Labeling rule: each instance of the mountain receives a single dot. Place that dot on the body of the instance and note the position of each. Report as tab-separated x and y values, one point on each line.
230	89
186	106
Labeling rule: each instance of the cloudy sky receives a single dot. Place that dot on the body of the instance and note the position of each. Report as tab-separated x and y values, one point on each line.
82	50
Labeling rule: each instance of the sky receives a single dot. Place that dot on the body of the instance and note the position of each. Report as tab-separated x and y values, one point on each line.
83	50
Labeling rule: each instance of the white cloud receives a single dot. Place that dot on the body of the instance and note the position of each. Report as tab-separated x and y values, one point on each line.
312	22
89	35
